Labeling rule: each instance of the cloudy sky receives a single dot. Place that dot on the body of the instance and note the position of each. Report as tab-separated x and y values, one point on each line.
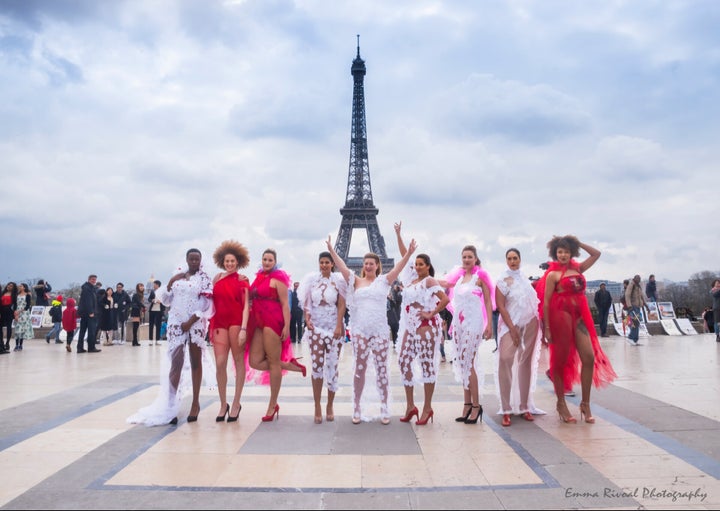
133	130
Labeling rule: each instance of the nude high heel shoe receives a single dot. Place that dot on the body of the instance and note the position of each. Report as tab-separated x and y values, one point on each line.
585	410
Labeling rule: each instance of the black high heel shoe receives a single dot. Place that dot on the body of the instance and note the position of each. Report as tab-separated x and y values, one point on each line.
478	416
221	418
234	419
463	418
193	418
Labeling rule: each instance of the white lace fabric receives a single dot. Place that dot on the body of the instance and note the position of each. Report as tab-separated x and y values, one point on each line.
370	336
419	350
318	296
468	324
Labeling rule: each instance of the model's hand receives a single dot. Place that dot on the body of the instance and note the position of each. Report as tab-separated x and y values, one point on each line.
285	333
515	334
329	243
413	246
397	226
547	337
487	333
339	332
309	324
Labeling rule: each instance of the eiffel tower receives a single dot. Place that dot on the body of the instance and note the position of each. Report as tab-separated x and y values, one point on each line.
359	211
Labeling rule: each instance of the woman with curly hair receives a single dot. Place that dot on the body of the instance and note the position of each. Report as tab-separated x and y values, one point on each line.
228	326
568	326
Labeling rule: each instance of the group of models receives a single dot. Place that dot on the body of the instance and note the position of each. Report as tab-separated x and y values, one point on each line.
251	322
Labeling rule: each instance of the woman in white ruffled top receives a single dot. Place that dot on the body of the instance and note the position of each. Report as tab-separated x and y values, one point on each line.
322	297
420	331
369	330
518	330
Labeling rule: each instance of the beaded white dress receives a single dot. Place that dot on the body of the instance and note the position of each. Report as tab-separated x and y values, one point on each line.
422	352
187	297
516	366
318	297
370	334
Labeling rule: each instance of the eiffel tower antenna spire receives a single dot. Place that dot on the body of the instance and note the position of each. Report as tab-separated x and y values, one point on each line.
359	211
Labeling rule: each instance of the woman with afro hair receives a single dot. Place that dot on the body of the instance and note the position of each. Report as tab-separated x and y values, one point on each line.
228	326
568	326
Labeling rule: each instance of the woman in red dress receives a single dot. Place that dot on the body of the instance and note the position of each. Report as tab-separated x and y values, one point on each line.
568	329
228	326
269	328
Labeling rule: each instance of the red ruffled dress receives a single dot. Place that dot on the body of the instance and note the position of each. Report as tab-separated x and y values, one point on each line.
568	305
266	311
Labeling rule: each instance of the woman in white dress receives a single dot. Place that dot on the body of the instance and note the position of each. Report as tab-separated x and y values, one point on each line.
420	331
322	297
369	330
518	330
471	301
189	294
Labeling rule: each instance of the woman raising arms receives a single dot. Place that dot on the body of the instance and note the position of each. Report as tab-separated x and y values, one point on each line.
322	297
228	326
472	322
367	300
568	325
269	328
420	330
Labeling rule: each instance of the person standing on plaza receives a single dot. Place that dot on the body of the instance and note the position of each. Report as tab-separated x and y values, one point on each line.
715	293
603	302
635	299
42	289
518	329
157	310
108	316
56	317
471	300
88	319
189	296
296	315
23	324
369	330
122	301
8	306
69	323
568	326
137	311
269	330
322	298
420	331
651	289
228	326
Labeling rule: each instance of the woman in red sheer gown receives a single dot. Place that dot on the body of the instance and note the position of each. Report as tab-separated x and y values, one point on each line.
568	329
228	326
269	328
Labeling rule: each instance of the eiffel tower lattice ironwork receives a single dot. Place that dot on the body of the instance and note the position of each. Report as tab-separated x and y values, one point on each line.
359	211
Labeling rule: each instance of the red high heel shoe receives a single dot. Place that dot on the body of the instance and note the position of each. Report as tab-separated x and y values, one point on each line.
410	414
276	411
506	420
429	417
303	369
528	417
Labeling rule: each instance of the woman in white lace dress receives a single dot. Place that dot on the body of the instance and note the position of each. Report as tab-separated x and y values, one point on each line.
322	297
189	296
420	331
471	302
518	330
369	330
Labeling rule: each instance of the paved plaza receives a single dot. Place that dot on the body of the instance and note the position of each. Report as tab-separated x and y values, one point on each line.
64	442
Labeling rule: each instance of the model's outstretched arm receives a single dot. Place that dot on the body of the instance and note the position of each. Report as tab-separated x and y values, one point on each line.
393	274
400	242
339	263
